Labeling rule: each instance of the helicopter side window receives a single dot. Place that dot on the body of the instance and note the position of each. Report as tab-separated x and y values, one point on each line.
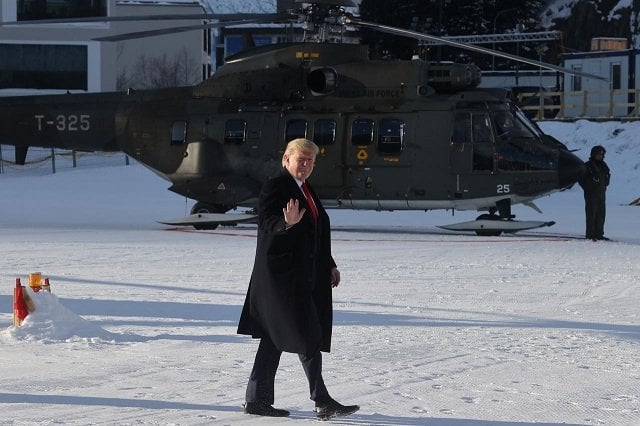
235	131
296	129
483	148
462	128
390	136
178	132
362	131
324	132
481	128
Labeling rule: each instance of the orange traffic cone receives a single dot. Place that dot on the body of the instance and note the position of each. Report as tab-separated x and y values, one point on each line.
20	310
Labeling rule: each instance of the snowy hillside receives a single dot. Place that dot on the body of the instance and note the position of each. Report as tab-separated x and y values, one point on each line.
597	18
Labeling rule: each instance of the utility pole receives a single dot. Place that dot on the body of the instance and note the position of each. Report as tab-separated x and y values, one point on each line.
441	31
495	22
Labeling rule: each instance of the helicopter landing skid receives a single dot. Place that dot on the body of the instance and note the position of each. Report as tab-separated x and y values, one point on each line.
202	220
495	227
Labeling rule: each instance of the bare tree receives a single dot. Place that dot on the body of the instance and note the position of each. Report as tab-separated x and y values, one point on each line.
162	71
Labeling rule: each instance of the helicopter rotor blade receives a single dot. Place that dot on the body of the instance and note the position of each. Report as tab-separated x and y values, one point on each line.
173	30
173	17
422	36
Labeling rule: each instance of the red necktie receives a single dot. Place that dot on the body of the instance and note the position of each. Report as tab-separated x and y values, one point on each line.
312	205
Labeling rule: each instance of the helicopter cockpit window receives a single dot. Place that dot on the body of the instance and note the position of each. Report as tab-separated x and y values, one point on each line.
296	129
390	136
235	131
509	125
178	132
533	127
518	149
324	132
362	132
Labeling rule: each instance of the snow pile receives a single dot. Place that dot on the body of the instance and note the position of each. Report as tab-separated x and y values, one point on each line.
52	322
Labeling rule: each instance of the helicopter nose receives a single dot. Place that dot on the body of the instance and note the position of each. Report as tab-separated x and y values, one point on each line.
570	169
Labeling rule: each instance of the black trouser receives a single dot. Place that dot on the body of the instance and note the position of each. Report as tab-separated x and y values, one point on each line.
262	378
595	212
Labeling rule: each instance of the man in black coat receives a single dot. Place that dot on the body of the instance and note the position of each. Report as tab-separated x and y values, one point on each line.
594	183
289	302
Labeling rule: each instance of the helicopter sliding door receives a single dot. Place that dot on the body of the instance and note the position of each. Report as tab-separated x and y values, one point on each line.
472	150
325	130
472	147
377	158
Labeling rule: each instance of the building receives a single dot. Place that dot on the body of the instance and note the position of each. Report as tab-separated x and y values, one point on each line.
614	97
65	56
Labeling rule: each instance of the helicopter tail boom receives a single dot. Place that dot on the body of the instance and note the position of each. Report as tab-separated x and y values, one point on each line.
82	122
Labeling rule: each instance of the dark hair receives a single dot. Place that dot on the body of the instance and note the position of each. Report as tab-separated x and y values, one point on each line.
598	149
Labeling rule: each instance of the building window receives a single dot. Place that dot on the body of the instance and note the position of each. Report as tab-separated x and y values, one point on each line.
235	131
324	132
362	131
576	80
295	129
206	40
390	136
49	66
178	132
28	10
615	76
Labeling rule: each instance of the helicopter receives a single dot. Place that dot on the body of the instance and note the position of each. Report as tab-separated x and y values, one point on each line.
393	134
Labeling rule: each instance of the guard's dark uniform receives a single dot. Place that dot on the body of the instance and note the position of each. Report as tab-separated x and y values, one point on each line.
594	183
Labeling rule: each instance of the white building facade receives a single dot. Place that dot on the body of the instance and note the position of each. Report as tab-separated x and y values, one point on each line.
65	56
617	96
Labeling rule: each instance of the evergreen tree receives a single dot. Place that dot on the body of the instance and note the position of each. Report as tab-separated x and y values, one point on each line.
407	14
449	17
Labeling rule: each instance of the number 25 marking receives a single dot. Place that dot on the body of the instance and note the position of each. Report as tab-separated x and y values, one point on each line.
503	189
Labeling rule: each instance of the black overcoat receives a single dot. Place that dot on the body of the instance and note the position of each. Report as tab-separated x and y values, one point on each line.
596	178
289	297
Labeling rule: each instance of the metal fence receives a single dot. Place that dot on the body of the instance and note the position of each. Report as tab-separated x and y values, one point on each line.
42	161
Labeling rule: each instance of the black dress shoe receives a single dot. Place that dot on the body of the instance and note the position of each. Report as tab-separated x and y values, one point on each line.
260	409
326	411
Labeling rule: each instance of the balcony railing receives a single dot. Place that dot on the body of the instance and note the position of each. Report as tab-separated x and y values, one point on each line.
618	104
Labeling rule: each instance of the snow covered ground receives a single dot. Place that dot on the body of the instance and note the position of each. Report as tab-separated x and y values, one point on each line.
430	327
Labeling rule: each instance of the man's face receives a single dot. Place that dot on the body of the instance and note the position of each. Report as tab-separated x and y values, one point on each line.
300	164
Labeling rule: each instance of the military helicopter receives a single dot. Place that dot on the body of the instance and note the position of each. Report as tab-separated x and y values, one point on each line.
393	135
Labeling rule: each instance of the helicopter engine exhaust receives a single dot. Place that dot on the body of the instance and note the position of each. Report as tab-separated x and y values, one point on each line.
322	81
